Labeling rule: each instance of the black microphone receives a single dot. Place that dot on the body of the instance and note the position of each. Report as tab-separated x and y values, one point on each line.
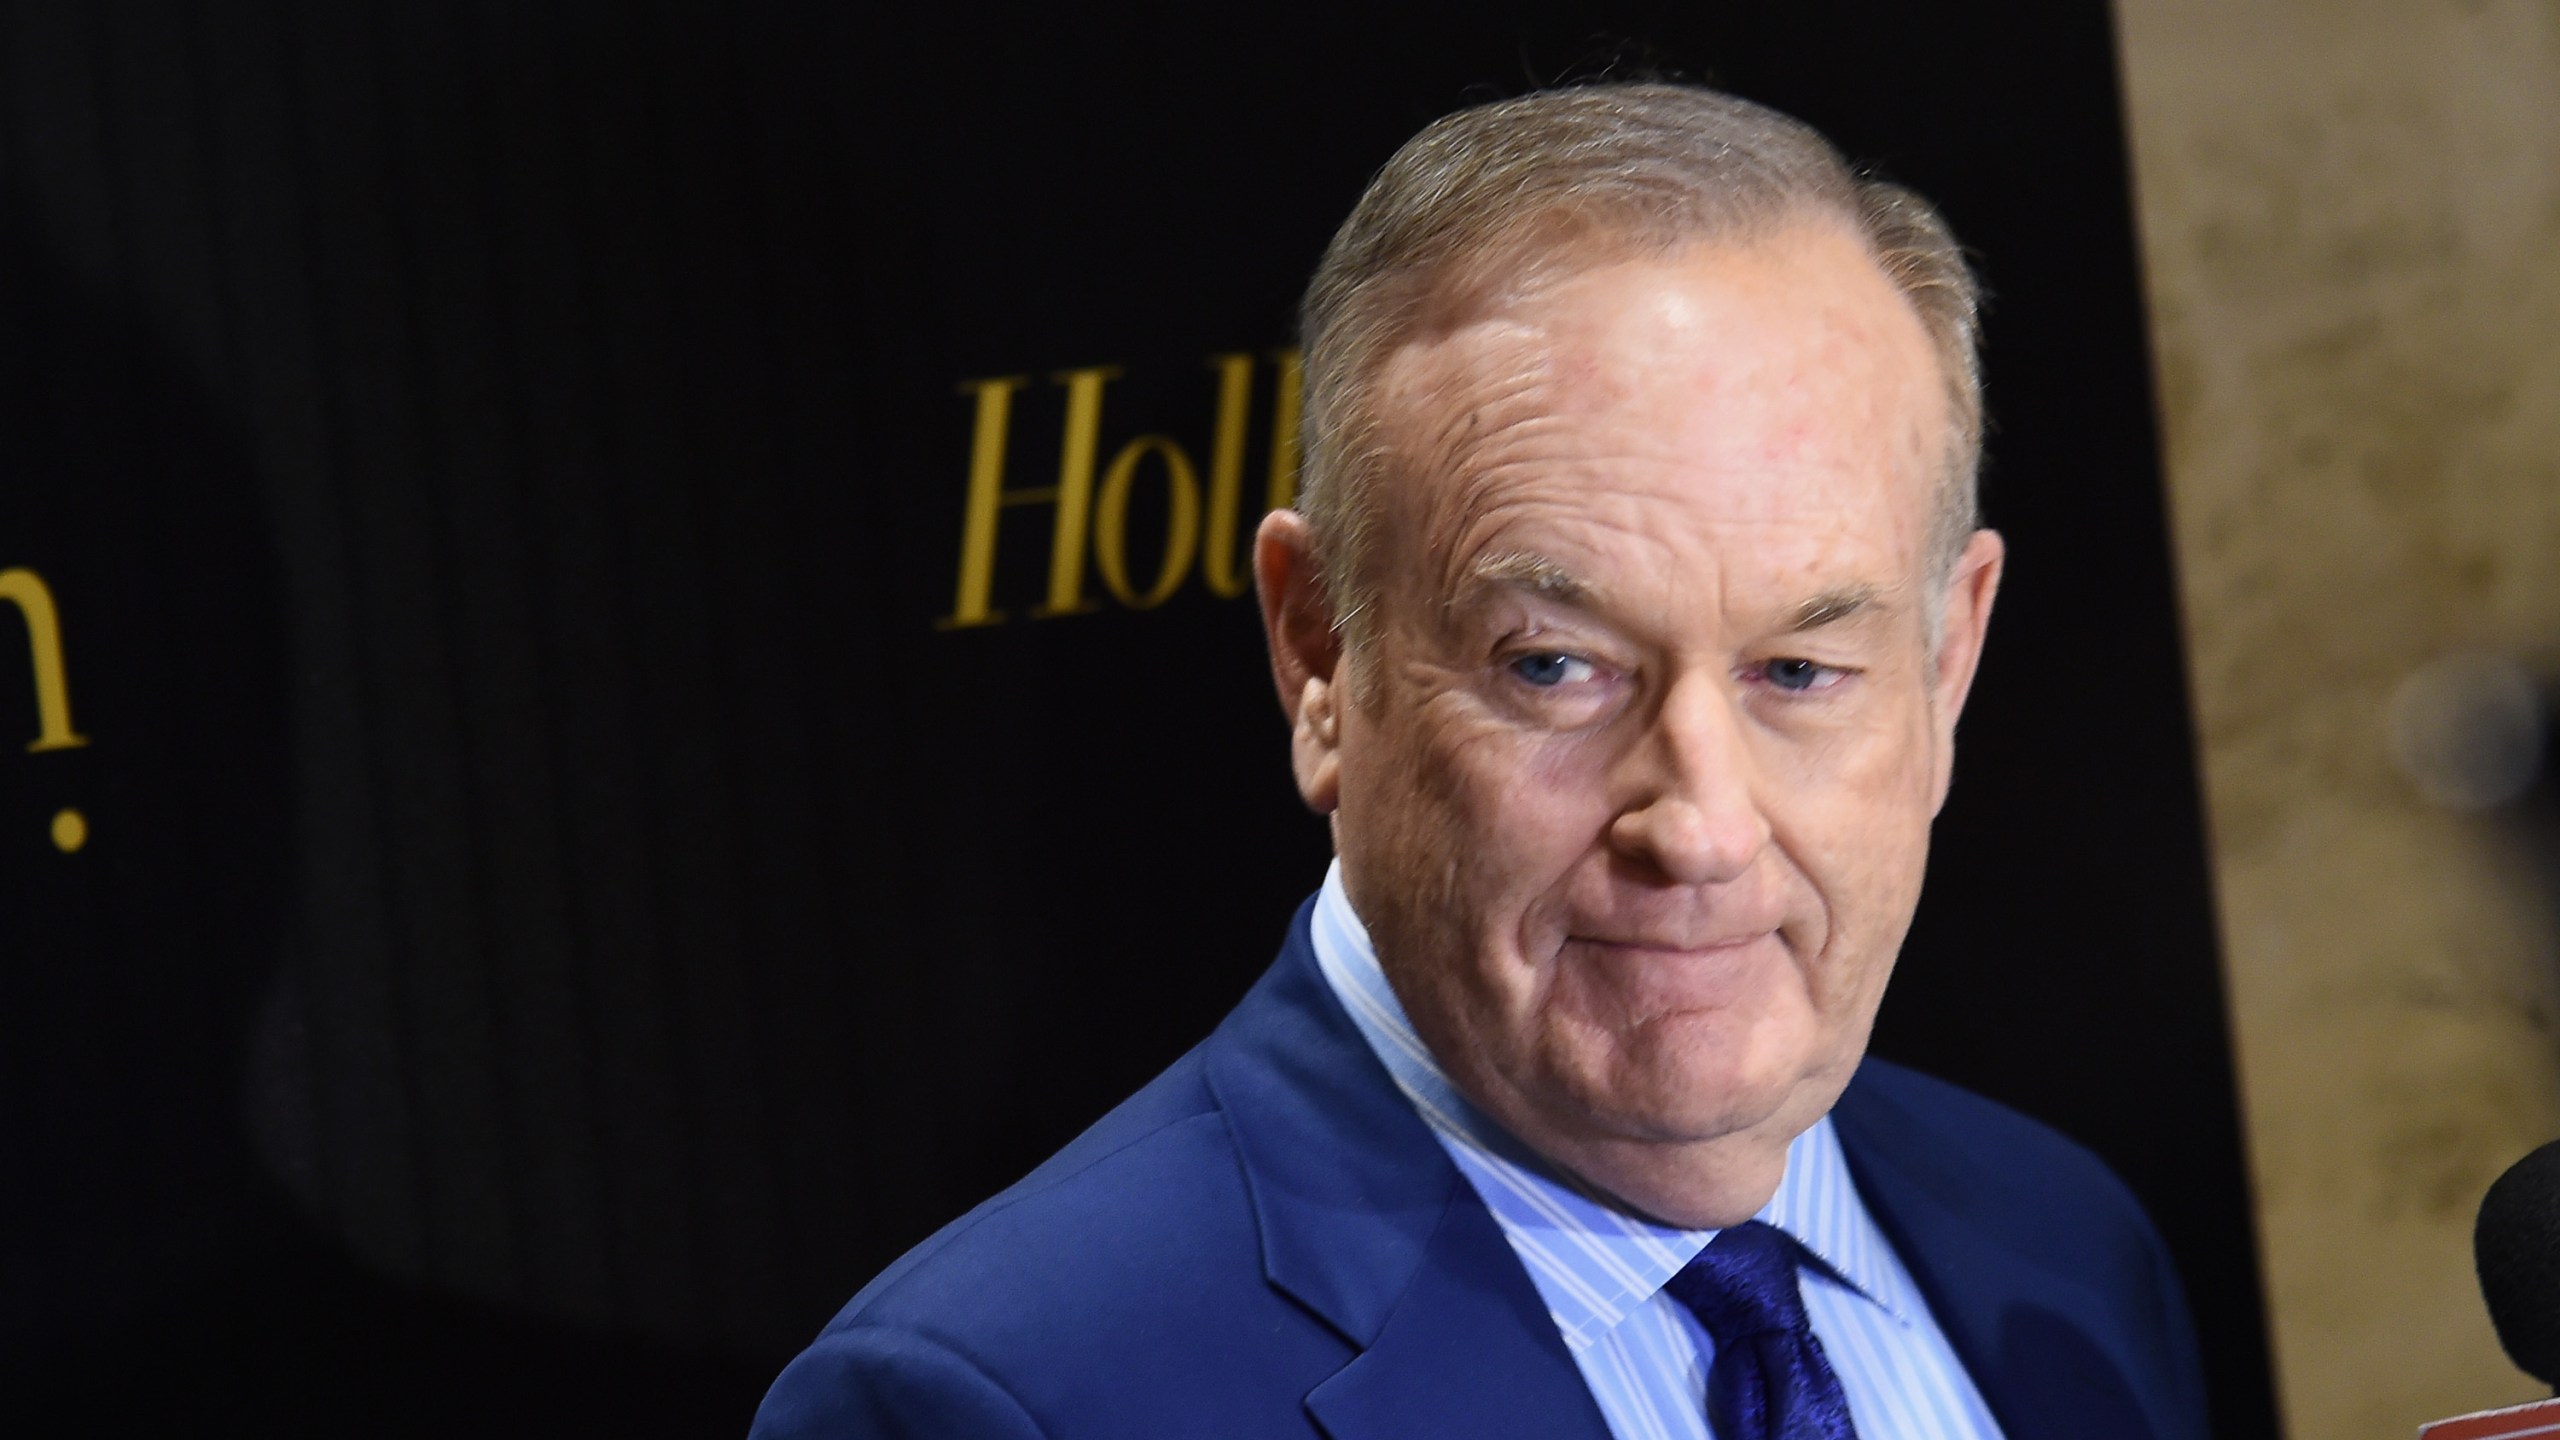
2517	1249
2516	1245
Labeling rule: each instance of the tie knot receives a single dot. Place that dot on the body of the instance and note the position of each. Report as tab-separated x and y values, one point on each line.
1743	1284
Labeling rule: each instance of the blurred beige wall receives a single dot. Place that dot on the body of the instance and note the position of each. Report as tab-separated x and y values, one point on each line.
2350	217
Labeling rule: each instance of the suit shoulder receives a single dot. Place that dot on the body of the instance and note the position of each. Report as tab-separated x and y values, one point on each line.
1948	1164
892	1384
1116	1290
1159	1163
1990	1160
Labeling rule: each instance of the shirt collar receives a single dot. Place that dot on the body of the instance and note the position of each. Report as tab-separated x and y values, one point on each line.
1593	1262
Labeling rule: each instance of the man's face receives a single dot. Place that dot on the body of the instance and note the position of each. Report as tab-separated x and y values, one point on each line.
1633	782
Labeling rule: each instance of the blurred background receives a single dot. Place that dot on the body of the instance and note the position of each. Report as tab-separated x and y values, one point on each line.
2350	217
637	686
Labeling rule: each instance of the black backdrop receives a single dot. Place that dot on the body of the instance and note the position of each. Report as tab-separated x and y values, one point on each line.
561	903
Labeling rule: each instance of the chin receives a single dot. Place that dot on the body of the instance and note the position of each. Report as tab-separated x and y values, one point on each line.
1684	1089
1703	1114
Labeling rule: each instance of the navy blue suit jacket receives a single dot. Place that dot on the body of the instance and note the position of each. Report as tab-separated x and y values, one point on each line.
1268	1241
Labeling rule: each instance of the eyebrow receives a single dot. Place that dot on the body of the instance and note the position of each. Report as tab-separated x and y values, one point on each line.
1831	607
1521	570
1536	574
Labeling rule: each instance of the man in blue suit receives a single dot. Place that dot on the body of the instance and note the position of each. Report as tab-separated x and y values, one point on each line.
1622	631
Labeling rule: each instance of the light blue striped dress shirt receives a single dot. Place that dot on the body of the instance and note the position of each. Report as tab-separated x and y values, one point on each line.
1601	1270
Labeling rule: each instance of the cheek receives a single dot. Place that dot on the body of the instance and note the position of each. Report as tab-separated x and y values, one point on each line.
1475	824
1857	825
1405	815
1531	808
1870	878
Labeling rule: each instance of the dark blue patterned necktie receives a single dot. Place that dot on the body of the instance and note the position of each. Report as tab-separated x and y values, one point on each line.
1769	1380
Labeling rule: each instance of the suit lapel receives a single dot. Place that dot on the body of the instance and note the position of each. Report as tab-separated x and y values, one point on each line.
1366	1223
1468	1350
2035	1342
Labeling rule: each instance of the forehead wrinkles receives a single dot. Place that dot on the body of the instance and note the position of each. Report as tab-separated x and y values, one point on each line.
1593	397
1459	409
1558	440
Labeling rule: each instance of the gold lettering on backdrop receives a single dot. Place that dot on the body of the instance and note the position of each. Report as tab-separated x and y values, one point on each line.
27	590
1284	430
986	497
1080	515
1072	495
1182	524
1221	566
1075	489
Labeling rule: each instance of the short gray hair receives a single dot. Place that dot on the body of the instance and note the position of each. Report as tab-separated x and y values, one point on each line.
1582	175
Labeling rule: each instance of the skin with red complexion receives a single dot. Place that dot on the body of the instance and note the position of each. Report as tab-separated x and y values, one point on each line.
1633	777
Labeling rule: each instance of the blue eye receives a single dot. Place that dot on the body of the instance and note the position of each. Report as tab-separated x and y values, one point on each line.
1547	670
1793	674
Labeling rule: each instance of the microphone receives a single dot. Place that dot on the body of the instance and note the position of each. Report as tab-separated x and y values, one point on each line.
2515	1244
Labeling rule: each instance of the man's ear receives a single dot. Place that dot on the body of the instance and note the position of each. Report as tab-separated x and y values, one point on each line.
1972	587
1306	653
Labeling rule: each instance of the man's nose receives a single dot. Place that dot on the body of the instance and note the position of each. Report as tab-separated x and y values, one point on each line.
1695	815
